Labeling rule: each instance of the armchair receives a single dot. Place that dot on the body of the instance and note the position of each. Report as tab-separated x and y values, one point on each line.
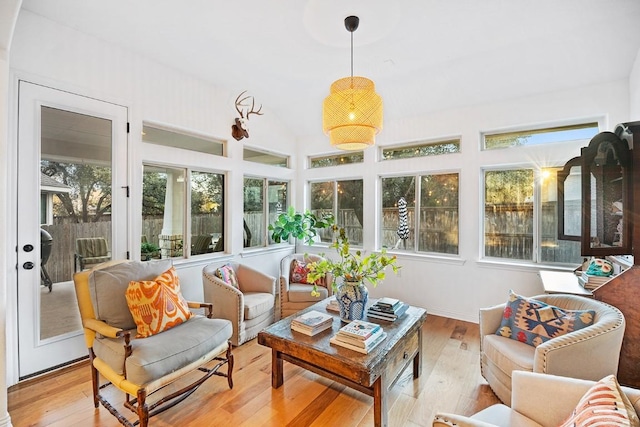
295	296
90	251
537	400
590	353
250	306
140	367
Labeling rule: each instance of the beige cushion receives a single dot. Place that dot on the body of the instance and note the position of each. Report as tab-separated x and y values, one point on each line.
257	303
510	355
158	355
503	416
302	293
110	304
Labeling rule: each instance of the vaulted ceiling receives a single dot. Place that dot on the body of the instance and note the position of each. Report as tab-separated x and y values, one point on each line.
424	55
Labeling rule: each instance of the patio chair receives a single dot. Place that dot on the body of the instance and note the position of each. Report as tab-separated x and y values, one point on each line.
90	251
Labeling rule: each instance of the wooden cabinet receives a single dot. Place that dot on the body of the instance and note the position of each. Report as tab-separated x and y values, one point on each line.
604	168
606	198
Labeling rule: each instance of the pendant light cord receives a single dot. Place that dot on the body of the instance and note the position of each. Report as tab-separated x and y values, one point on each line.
352	56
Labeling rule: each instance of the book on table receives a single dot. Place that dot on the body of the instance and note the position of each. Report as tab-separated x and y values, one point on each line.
312	322
332	305
360	329
350	343
387	312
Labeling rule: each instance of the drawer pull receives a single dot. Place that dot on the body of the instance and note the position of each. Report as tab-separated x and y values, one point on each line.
405	355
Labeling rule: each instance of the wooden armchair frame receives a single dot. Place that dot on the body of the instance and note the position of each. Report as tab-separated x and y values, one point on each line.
136	394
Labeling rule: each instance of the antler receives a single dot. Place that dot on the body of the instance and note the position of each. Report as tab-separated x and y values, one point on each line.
253	104
240	104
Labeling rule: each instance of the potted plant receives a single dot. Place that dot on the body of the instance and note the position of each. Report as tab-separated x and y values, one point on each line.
148	250
301	226
355	270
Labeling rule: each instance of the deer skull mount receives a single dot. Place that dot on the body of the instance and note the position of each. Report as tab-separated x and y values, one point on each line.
240	129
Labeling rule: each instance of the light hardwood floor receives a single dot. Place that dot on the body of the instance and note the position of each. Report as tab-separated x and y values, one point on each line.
450	381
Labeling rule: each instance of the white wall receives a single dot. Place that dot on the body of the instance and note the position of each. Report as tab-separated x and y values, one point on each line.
634	90
457	287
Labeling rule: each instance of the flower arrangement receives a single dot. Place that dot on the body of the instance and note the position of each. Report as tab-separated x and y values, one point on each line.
352	267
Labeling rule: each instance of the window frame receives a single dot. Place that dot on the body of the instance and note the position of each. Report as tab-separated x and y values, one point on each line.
417	208
265	205
422	143
187	212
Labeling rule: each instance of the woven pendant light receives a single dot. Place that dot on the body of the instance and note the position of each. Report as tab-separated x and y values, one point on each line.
352	113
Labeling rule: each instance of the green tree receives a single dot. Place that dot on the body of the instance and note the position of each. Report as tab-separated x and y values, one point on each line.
90	196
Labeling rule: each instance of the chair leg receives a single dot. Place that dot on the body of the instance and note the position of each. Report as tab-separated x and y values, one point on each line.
143	409
229	366
95	379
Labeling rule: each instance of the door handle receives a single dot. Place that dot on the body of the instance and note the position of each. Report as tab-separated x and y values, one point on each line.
28	265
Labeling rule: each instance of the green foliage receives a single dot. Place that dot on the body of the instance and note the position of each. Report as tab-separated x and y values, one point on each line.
148	248
352	266
301	226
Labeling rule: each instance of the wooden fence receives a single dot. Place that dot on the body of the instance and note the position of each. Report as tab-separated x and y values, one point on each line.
508	233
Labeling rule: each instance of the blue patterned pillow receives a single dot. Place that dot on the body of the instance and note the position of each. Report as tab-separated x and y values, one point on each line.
227	275
534	322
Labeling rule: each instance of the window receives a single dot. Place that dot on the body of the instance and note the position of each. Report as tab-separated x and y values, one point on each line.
264	200
540	136
164	212
519	224
158	136
421	149
436	218
343	199
336	159
265	158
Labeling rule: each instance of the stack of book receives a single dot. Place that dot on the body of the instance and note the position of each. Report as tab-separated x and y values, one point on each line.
312	322
387	309
591	282
359	335
332	305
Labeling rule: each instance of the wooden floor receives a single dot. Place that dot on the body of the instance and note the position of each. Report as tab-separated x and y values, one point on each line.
450	381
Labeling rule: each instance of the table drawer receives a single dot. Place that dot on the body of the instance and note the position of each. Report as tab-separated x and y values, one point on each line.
401	356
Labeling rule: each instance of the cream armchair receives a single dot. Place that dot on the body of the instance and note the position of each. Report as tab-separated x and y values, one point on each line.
250	307
296	296
537	400
590	353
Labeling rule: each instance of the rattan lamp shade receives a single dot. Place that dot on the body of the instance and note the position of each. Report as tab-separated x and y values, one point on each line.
352	113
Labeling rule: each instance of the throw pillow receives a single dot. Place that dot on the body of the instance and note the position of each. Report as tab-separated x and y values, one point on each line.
157	305
534	322
299	272
227	275
604	404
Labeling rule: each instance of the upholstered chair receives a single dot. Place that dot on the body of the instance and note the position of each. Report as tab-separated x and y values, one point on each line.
537	400
590	353
194	346
294	296
246	297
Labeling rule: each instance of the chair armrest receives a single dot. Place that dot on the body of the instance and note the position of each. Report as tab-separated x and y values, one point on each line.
490	318
444	419
207	306
284	289
103	328
532	391
565	355
227	301
251	280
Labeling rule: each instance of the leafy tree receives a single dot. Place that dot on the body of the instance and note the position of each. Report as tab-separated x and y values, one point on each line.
90	196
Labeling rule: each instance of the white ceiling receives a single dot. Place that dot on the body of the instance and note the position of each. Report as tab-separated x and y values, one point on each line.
424	55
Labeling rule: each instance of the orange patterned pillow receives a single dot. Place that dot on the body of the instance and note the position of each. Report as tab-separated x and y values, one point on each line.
157	305
604	404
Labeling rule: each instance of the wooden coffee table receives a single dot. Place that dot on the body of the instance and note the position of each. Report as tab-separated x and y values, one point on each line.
373	373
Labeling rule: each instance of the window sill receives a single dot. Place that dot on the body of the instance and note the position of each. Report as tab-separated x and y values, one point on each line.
451	259
521	265
257	251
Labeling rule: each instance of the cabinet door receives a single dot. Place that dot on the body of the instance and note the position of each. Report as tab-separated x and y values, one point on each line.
606	173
